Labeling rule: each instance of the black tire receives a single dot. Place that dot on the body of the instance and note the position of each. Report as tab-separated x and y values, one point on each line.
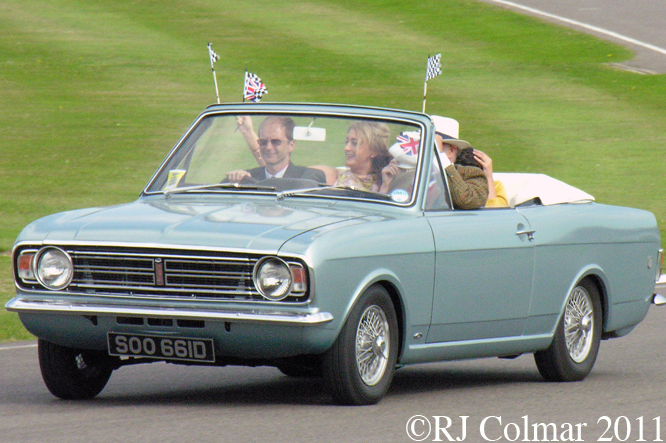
364	383
293	370
73	374
302	366
574	361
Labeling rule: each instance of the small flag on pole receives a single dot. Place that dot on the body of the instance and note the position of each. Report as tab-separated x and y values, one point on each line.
213	55
254	88
213	58
434	67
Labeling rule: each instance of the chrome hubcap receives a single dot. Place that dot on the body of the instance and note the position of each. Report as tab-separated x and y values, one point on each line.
372	345
579	324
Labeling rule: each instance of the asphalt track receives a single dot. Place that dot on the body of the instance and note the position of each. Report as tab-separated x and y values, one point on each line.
637	24
623	399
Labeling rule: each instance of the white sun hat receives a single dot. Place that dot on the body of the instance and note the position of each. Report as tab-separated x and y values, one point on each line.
447	128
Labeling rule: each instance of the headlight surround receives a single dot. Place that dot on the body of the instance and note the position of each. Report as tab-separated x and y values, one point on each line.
273	278
53	268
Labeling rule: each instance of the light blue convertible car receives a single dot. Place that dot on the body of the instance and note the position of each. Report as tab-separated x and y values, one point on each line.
268	238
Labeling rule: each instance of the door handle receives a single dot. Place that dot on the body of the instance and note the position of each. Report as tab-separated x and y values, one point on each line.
530	234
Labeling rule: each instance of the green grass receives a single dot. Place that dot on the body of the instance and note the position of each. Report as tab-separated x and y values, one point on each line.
94	93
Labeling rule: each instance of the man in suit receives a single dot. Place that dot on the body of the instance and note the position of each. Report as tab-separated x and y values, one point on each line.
273	149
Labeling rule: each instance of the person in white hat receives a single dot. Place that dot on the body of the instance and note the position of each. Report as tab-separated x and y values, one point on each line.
469	185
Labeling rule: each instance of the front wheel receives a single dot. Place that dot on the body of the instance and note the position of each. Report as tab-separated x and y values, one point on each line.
73	374
575	346
359	367
304	366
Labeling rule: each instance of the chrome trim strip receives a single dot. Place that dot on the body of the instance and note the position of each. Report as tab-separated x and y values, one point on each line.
261	316
163	296
479	341
143	256
156	291
159	246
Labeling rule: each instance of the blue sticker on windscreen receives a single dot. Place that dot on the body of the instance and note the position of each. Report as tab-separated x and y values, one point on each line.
400	195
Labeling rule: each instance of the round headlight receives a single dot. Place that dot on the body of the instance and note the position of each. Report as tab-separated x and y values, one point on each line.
54	268
273	278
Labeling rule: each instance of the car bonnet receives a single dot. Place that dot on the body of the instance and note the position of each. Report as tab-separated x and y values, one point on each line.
260	226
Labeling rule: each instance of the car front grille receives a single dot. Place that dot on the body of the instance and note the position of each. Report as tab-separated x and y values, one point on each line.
175	274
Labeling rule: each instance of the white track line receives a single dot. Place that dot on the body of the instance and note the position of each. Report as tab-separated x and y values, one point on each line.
10	347
582	25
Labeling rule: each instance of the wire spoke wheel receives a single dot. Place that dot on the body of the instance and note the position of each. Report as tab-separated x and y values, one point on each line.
579	324
573	351
359	367
372	346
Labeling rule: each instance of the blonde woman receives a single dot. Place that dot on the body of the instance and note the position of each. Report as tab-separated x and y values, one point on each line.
366	154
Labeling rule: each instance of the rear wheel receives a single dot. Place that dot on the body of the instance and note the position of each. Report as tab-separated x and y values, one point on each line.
358	369
73	374
575	346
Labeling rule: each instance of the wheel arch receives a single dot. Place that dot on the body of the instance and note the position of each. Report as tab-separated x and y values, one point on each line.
390	282
399	307
597	277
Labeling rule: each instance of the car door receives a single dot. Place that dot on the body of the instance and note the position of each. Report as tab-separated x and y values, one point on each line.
484	265
483	274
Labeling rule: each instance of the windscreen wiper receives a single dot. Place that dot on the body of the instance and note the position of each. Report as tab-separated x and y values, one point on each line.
290	192
185	189
352	191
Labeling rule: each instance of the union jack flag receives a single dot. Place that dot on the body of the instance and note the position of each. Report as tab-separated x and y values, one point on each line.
434	67
409	145
254	88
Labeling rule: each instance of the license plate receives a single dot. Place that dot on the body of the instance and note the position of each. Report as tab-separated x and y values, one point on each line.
161	347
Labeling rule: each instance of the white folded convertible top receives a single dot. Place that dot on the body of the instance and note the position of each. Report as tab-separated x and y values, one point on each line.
523	187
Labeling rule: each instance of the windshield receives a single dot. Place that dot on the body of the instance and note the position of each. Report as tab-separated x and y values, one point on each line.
295	155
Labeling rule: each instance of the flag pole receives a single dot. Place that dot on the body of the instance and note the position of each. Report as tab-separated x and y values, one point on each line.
433	69
425	91
244	85
213	57
425	87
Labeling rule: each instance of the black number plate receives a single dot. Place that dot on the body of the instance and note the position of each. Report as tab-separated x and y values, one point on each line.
156	346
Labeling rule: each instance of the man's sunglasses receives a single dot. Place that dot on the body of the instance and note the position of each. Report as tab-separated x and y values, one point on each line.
276	142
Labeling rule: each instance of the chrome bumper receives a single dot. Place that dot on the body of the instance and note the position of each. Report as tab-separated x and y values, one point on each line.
21	305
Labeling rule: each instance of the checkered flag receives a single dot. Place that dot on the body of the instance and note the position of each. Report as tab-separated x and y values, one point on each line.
213	58
254	88
213	55
434	67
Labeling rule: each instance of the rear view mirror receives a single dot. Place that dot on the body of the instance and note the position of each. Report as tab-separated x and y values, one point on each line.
309	133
